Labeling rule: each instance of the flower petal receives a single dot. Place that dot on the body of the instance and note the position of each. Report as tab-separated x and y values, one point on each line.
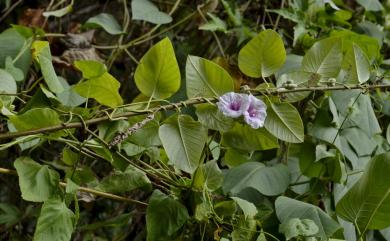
256	113
232	104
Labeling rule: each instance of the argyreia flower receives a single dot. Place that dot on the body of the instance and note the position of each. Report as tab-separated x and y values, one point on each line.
256	113
232	104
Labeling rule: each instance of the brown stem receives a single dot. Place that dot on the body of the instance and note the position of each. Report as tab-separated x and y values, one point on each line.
189	102
88	190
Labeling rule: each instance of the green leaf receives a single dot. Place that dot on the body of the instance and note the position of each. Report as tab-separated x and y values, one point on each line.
388	134
287	208
216	24
295	227
147	11
164	209
324	58
13	44
244	137
105	21
248	208
35	118
367	203
55	222
356	66
284	122
41	52
208	176
13	70
263	55
120	182
37	183
90	69
206	79
9	214
269	181
183	140
59	12
7	85
158	74
212	118
104	89
371	5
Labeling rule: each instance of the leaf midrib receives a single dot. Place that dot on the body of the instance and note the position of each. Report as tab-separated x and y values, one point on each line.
276	113
201	75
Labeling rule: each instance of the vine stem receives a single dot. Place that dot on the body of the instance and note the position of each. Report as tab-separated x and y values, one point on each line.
189	102
87	190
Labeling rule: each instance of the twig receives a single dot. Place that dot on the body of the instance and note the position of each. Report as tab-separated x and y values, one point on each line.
9	10
88	190
189	102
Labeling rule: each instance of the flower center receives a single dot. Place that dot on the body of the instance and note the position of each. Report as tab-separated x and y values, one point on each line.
235	106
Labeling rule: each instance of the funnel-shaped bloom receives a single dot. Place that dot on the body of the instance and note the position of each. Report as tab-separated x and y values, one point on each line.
256	113
232	104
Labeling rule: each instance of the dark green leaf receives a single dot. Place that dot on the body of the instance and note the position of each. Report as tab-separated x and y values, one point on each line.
37	183
164	217
55	222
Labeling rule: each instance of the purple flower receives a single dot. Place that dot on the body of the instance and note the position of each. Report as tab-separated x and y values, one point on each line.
232	104
256	113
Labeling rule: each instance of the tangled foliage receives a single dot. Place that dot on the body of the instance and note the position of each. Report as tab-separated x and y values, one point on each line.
194	120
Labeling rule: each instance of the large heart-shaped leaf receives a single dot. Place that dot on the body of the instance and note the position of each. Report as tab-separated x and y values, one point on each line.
263	55
183	139
269	181
367	203
37	183
287	208
206	78
55	222
324	58
284	121
41	52
244	137
147	11
158	74
164	216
